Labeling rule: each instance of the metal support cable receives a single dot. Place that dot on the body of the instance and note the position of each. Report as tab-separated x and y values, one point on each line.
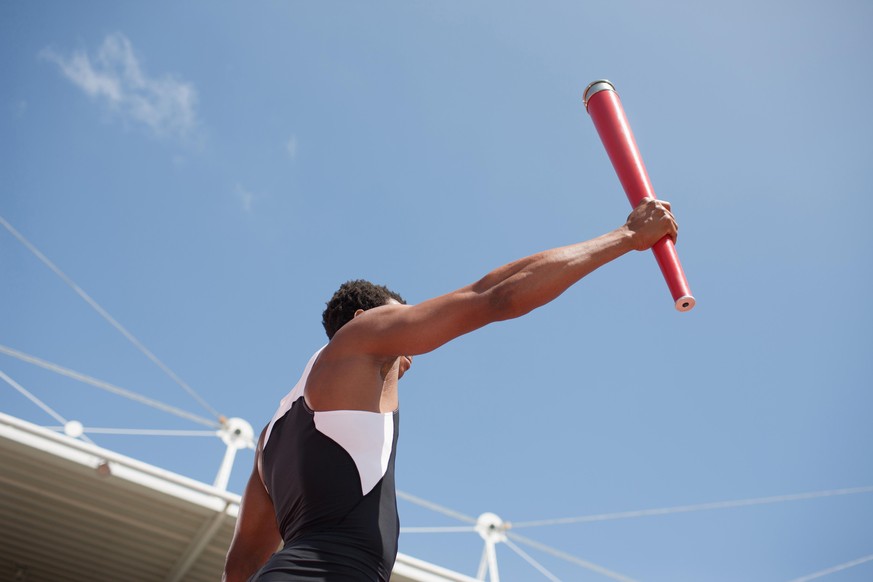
570	558
106	386
834	569
434	507
146	431
45	407
523	540
531	561
450	529
105	315
696	507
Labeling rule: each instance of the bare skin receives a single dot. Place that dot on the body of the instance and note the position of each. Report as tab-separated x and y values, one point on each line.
360	367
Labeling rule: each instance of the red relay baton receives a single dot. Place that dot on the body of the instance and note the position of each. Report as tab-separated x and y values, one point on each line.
604	106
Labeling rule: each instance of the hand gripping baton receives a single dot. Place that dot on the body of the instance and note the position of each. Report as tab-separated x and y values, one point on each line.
604	106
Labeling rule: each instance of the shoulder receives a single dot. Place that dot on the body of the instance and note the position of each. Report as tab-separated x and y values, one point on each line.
345	377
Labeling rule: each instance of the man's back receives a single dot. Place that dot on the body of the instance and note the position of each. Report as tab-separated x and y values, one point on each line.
330	475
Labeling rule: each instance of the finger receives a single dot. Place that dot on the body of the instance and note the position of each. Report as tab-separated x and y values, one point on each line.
667	208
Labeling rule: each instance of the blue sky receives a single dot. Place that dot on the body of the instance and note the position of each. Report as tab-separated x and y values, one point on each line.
210	172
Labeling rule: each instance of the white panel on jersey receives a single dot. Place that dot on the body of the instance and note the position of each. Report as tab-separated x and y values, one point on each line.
289	399
366	436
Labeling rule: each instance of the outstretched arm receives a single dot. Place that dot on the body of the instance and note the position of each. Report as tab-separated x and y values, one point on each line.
507	292
256	535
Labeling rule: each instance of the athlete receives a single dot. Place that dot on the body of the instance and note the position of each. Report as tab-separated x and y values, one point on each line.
323	480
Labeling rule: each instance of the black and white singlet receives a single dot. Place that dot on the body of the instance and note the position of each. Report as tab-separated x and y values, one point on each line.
330	476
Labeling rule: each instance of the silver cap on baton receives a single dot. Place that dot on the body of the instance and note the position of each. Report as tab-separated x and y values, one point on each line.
596	87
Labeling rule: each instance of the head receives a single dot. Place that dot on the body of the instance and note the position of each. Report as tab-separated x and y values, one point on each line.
349	298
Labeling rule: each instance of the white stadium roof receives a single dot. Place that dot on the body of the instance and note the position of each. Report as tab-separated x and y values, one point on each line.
73	511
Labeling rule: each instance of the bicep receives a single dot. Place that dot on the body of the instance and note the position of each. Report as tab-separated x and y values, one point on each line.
257	518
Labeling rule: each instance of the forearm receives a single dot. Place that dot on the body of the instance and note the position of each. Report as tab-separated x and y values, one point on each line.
521	286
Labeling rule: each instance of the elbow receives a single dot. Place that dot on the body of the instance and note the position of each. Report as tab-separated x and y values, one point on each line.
231	571
237	573
238	566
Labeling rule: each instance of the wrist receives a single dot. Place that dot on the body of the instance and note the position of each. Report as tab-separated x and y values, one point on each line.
625	238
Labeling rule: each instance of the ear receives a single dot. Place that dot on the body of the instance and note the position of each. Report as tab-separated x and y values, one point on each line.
358	312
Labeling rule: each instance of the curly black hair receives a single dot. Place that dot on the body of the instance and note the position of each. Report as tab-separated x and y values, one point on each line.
351	296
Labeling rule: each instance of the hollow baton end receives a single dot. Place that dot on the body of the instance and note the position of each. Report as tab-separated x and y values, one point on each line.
596	87
685	303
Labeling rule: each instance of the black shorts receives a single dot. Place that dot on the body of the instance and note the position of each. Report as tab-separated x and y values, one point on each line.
320	562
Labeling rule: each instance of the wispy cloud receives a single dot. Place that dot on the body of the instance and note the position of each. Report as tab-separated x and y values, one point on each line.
291	147
115	77
245	196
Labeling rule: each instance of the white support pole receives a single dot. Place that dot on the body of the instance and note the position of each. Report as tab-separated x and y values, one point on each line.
483	564
223	476
493	574
237	434
492	529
